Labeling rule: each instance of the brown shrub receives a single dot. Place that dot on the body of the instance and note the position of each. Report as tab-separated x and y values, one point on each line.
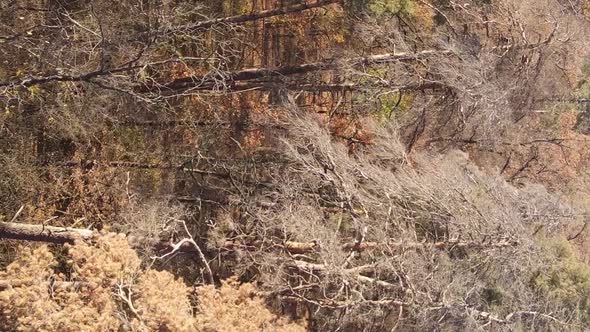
104	289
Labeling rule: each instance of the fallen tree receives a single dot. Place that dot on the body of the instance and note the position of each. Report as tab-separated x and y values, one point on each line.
303	247
63	235
219	80
43	233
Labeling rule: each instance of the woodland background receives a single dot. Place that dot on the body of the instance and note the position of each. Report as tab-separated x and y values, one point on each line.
322	165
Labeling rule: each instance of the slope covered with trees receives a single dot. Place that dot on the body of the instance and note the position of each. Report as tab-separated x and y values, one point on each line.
322	165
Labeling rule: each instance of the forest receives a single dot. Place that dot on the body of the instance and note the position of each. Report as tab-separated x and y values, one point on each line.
294	165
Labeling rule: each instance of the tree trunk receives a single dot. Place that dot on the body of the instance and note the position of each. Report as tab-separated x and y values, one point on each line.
63	235
223	80
338	87
42	233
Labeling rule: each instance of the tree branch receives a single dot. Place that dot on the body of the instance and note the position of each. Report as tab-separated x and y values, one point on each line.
238	19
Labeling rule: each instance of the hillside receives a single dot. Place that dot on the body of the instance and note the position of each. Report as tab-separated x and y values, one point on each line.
294	165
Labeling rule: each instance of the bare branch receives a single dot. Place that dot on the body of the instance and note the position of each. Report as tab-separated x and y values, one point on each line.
182	243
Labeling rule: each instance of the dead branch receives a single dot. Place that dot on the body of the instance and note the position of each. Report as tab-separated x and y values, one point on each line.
238	19
125	296
178	247
42	233
303	247
575	236
330	304
88	164
510	318
215	81
63	235
31	80
335	87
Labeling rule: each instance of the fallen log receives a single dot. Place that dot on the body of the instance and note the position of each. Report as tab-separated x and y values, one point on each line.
304	247
42	233
62	235
345	304
229	79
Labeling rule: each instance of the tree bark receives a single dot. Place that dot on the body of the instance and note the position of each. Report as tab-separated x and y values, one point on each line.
304	247
42	233
223	80
62	235
88	164
231	80
336	87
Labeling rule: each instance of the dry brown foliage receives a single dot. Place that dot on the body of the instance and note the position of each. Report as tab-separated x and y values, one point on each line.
101	287
235	307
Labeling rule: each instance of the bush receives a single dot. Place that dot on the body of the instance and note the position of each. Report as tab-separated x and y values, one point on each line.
105	289
567	279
